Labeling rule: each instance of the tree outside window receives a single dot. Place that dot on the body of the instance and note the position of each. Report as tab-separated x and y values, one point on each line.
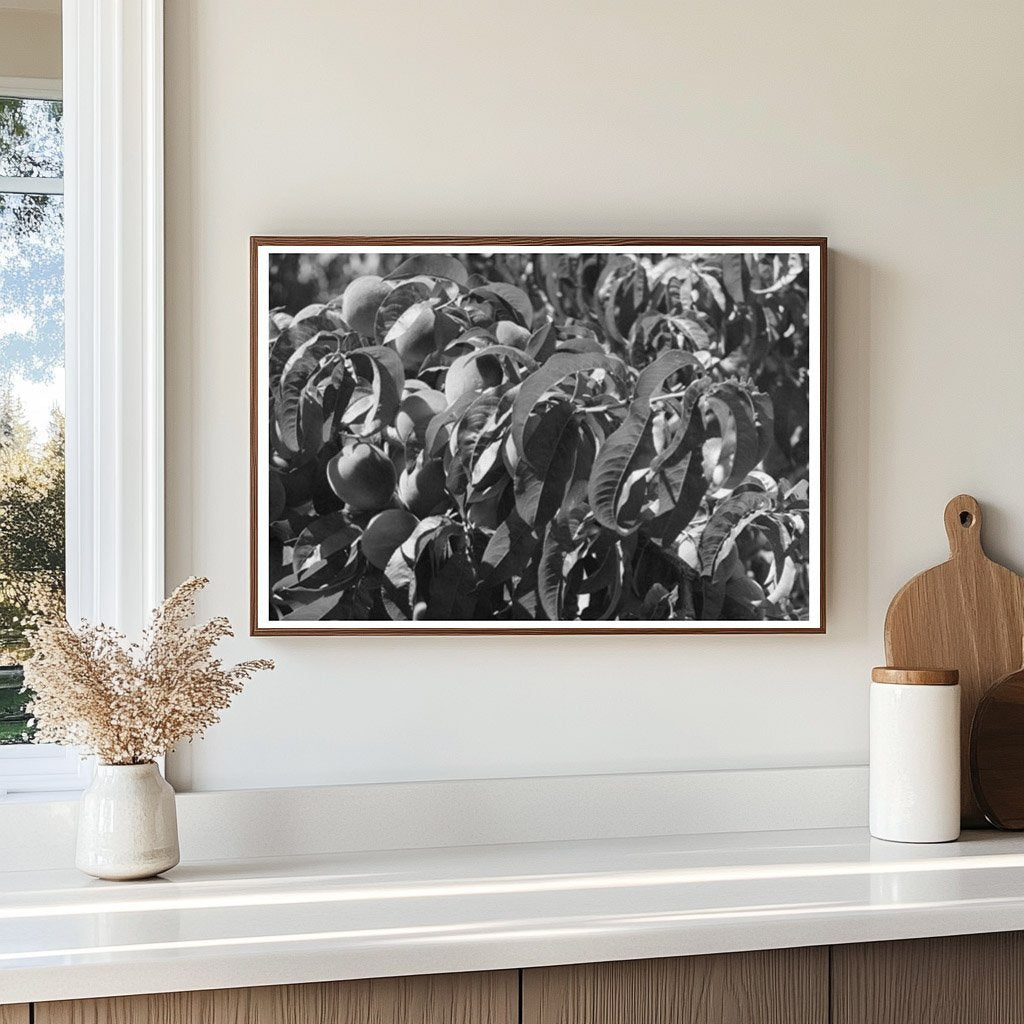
32	540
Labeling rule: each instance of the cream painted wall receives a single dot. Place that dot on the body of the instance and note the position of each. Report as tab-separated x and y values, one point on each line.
895	129
29	43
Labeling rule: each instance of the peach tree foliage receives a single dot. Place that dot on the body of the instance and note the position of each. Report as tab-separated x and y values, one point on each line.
539	436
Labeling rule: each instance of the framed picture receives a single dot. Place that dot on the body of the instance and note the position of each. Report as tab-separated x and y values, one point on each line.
537	435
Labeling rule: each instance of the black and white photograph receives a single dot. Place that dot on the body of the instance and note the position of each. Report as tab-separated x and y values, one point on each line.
537	435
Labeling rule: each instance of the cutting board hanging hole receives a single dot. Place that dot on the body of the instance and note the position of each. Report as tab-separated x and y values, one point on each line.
963	526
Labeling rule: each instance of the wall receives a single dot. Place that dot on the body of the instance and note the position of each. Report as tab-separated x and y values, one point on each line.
895	129
30	43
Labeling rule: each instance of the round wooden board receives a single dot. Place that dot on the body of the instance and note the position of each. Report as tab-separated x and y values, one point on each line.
997	752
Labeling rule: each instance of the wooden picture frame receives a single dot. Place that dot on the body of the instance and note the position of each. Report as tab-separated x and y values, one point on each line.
703	303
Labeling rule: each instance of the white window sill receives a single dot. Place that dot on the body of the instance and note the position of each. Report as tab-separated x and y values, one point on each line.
42	772
42	797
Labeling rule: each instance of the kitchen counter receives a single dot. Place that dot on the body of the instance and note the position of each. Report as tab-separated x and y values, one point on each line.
356	915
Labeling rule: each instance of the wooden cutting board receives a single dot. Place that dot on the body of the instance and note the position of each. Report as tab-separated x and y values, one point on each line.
967	614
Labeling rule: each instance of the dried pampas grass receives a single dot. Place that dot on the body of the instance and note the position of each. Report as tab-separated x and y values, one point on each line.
130	703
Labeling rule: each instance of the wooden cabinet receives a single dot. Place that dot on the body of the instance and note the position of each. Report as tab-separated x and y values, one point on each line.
963	979
491	998
778	986
971	979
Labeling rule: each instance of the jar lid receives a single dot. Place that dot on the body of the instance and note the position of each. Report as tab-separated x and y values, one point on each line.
916	676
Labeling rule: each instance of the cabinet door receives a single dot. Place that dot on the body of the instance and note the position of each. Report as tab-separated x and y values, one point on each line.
14	1014
779	986
490	998
962	979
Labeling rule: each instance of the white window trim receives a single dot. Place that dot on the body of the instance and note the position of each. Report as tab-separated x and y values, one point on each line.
113	170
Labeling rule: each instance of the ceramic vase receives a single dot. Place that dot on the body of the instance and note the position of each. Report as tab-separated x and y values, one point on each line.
127	824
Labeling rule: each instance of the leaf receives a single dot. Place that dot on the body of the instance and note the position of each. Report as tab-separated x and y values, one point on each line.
627	299
396	303
313	309
586	452
311	421
475	430
656	599
794	268
399	589
732	275
545	471
389	360
783	582
563	547
618	483
431	264
542	342
433	439
671	268
576	337
295	335
452	589
693	330
687	497
617	487
558	541
778	538
714	286
386	391
655	332
299	368
514	298
741	446
486	464
653	378
416	321
508	551
549	376
278	497
744	599
765	423
337	394
312	606
431	576
324	538
449	323
493	351
728	520
607	553
713	598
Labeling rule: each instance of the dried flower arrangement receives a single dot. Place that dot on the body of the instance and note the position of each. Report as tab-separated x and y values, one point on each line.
130	703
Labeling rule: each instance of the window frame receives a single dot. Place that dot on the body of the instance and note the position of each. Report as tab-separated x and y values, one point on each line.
112	90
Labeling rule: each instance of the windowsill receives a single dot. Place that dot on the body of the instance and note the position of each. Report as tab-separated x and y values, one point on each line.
52	796
387	913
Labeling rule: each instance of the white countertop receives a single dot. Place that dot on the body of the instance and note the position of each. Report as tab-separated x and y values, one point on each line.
351	915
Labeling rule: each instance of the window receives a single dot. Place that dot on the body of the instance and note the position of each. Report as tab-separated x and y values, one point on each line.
32	532
111	205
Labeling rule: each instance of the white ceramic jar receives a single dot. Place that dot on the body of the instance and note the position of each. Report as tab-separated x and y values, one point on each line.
915	755
127	823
